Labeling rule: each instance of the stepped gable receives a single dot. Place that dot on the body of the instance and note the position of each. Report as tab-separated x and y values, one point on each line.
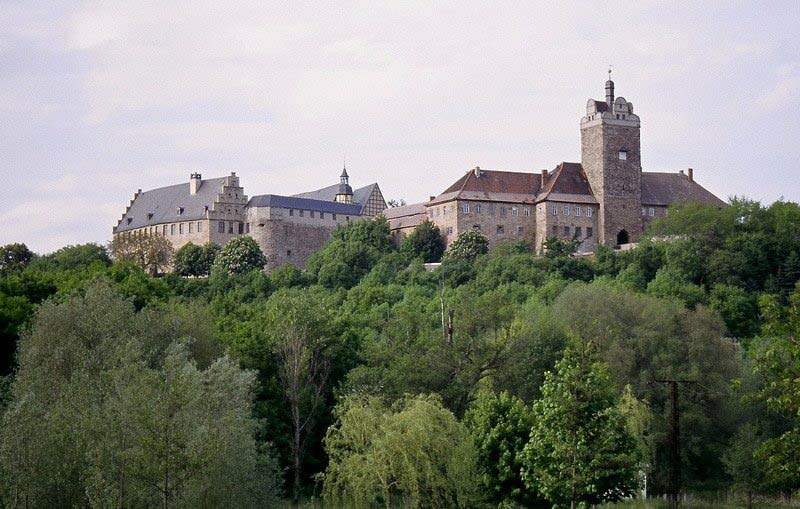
664	189
161	205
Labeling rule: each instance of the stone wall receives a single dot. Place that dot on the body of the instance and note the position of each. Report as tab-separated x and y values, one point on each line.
566	226
616	183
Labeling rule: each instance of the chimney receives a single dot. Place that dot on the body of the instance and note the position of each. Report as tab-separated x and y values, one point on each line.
195	180
477	171
691	174
544	177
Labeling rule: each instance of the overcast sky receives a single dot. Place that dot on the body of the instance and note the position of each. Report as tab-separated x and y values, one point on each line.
101	98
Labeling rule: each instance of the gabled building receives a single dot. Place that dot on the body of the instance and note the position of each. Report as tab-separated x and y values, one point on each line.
605	199
287	228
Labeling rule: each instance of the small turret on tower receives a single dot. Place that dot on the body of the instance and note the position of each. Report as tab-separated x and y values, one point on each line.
609	90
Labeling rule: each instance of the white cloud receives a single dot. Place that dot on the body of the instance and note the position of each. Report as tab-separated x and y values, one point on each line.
90	28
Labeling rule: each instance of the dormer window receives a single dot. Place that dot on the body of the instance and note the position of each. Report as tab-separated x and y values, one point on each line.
130	219
180	211
149	216
623	155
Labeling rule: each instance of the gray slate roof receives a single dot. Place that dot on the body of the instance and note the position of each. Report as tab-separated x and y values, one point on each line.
296	202
360	196
668	188
163	204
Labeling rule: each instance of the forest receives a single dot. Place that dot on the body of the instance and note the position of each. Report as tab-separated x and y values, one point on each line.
499	378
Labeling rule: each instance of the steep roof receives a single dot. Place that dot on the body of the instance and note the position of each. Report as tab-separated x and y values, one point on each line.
360	195
659	188
567	182
162	205
296	202
492	185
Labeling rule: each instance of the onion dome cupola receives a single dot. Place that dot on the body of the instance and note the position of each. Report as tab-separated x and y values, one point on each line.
345	193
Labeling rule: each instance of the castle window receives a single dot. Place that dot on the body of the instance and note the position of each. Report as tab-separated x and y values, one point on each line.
172	229
302	213
589	211
180	210
555	231
476	227
347	218
617	116
449	230
230	227
566	210
288	252
578	232
514	211
526	212
555	210
199	227
589	231
465	208
651	212
644	211
623	155
247	227
478	208
291	212
221	227
519	230
566	231
578	210
311	213
241	228
191	225
322	215
164	230
129	220
500	229
502	210
334	216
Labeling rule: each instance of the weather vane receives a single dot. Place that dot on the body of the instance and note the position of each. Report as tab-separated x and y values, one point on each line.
609	71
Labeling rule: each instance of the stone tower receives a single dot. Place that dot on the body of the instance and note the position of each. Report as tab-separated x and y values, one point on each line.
611	158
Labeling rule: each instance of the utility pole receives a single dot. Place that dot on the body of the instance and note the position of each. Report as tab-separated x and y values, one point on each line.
674	440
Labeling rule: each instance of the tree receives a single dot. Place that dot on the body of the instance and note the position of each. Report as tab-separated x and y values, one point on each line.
671	283
240	255
425	242
150	252
111	408
777	362
500	426
300	344
14	258
737	308
469	245
741	463
81	256
580	452
556	248
189	260
412	454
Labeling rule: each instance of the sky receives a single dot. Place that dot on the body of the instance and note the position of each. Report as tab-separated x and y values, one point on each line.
101	98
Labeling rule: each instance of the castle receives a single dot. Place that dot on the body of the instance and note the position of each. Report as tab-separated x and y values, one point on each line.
288	229
606	199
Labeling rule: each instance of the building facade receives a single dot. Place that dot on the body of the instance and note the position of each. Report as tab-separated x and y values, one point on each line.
605	199
287	228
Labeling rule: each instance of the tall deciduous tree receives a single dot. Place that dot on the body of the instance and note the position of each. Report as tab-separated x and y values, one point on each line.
240	255
425	242
151	252
14	258
581	452
412	454
500	426
469	245
110	408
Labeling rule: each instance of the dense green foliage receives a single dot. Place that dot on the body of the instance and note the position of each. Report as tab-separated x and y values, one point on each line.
238	256
425	242
413	454
477	345
193	260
